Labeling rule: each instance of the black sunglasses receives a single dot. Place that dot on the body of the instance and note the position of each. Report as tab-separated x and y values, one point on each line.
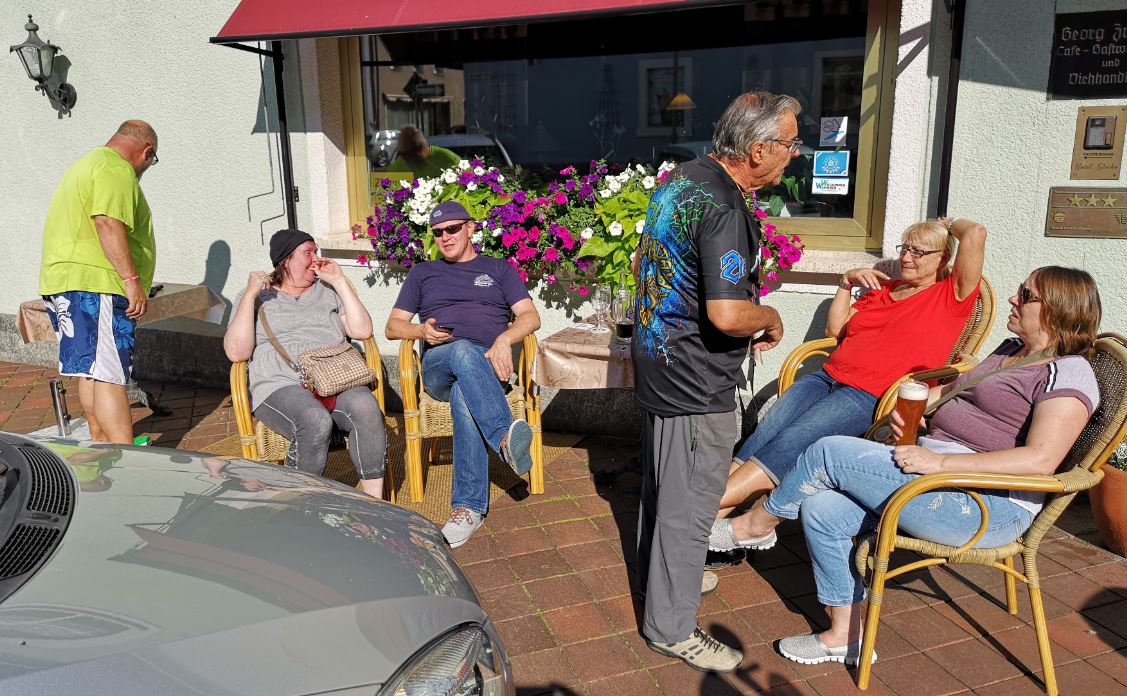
1025	296
449	229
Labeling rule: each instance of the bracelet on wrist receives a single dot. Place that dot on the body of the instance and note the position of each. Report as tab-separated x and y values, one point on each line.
844	284
130	279
951	222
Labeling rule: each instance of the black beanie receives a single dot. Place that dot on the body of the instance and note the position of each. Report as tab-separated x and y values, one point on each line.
284	242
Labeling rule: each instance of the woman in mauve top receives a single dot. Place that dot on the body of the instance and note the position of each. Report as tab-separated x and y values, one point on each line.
1021	411
898	327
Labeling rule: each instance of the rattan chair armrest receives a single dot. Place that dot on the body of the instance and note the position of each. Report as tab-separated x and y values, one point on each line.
240	405
529	348
1078	479
801	353
408	374
374	361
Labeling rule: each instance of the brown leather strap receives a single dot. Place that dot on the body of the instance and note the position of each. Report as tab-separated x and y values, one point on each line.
274	339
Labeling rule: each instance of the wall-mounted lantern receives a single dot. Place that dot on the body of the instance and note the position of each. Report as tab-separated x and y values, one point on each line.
38	60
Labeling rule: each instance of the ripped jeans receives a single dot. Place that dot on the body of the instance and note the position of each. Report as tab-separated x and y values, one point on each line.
841	485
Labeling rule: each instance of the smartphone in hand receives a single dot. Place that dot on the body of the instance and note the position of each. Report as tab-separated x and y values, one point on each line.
447	329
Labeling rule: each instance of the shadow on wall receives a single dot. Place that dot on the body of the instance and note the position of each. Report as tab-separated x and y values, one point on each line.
216	271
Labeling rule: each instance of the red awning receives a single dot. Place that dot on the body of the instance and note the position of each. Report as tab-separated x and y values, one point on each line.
257	20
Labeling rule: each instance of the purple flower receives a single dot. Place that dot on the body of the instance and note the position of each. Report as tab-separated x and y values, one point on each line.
520	197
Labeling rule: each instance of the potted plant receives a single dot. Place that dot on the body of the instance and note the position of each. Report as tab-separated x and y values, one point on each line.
1109	502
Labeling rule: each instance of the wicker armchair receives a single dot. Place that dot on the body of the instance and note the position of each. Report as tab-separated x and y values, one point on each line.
961	359
262	443
1079	471
427	418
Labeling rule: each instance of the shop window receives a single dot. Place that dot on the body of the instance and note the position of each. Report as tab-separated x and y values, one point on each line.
536	98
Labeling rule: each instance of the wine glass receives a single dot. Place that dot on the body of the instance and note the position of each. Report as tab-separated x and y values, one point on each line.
600	301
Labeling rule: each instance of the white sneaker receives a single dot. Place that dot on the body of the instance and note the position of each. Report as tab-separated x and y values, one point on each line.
701	652
516	450
462	524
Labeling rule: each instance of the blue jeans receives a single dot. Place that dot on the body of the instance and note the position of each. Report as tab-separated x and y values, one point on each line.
459	373
841	485
815	406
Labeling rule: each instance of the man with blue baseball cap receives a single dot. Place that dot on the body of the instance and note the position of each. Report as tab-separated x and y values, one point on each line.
465	302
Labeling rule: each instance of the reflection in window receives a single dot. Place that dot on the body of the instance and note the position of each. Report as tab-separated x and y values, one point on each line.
544	96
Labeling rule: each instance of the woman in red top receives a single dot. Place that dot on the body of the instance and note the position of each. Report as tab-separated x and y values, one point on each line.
899	326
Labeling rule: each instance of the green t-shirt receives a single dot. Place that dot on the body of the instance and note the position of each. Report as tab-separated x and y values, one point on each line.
440	158
101	183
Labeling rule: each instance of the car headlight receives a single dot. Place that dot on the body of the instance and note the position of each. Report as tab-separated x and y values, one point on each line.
463	662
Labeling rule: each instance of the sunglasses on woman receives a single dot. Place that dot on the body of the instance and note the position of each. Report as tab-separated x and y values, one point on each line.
1025	296
438	232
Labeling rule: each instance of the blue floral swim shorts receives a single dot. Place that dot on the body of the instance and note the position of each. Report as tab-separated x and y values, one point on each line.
95	337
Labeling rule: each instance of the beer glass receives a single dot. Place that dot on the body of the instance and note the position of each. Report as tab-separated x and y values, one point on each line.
911	400
622	313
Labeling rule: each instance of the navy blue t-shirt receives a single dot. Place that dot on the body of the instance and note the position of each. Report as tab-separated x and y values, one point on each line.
475	297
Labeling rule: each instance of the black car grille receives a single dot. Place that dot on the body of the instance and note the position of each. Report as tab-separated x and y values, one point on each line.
25	548
51	490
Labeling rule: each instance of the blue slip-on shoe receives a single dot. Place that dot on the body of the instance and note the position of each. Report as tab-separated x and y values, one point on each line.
517	448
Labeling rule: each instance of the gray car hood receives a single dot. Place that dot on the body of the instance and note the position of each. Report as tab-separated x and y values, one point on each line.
229	576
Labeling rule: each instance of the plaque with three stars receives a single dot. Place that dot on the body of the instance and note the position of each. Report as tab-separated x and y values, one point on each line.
1086	212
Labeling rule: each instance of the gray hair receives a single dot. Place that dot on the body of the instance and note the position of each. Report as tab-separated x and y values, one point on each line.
751	118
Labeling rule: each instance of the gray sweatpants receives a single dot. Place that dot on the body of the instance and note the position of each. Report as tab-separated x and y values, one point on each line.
685	463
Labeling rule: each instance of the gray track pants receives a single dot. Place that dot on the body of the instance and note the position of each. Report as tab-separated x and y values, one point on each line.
685	463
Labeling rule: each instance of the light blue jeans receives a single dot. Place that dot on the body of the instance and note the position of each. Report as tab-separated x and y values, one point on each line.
459	373
814	407
841	485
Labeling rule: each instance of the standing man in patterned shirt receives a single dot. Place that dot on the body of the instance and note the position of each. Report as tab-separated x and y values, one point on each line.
697	309
99	255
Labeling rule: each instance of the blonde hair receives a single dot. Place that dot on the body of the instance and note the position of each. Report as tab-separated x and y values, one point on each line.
1070	308
932	234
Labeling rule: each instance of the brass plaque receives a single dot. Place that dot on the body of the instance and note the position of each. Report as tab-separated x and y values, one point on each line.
1098	148
1087	212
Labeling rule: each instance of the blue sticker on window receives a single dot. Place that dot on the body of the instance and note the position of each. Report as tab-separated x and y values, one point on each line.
732	267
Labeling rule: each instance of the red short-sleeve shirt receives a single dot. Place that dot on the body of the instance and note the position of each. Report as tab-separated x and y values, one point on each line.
887	339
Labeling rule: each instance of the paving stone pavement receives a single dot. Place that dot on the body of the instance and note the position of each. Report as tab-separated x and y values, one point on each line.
553	572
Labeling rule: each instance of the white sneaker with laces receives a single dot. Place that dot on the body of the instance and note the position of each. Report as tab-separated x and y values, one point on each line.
702	652
462	524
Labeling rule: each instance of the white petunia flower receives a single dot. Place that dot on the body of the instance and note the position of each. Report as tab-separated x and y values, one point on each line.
641	169
615	229
640	225
587	233
500	178
649	182
477	237
418	218
404	183
498	232
614	185
606	193
463	164
478	170
471	186
449	176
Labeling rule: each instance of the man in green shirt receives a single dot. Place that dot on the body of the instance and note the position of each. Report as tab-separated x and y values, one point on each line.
99	255
419	158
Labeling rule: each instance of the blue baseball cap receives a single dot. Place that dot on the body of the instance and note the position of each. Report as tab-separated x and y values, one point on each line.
450	210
